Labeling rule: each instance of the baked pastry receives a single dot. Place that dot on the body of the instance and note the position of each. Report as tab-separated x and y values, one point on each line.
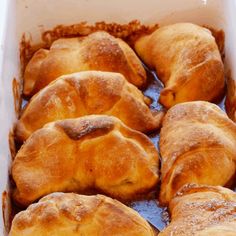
197	142
60	214
97	51
202	211
92	153
230	102
187	60
85	93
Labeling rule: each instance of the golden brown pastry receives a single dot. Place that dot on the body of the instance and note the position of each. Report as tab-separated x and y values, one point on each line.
69	214
230	102
85	154
197	145
186	59
97	51
85	93
202	211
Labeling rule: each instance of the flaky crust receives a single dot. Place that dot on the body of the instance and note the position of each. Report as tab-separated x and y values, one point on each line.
93	153
202	211
97	51
197	145
61	214
187	61
85	93
230	102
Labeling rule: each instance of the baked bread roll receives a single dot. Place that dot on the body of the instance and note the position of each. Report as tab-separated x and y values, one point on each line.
60	214
202	211
187	60
97	51
197	145
85	93
230	102
92	153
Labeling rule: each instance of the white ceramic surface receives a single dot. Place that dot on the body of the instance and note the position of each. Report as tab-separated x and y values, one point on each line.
30	16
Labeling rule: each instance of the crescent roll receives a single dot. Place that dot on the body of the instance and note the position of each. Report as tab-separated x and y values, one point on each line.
61	214
230	102
202	211
187	60
97	51
197	145
85	93
92	153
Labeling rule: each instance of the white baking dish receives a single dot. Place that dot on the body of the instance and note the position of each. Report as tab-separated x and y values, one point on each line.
31	16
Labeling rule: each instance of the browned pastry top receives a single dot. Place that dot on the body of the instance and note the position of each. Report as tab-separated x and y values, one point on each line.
85	93
61	214
97	51
202	211
93	153
197	142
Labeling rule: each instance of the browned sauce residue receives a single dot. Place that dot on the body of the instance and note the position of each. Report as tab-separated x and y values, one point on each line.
16	90
12	146
128	32
219	36
6	211
25	51
230	102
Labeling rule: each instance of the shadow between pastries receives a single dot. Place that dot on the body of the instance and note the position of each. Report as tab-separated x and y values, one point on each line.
86	93
93	153
197	145
97	51
187	60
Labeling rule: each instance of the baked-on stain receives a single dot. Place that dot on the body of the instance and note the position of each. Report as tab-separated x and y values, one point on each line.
16	90
12	144
128	32
6	211
230	102
219	36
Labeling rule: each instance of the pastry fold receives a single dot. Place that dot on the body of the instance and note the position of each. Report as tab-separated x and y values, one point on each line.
202	211
97	51
187	60
95	153
85	93
60	214
197	145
